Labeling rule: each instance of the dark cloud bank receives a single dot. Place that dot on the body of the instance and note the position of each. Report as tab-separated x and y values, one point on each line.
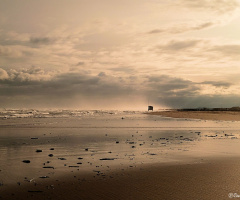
36	88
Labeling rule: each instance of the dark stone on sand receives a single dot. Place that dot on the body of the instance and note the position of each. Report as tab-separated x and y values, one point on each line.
38	150
44	177
133	147
73	166
51	149
107	158
48	167
86	149
35	191
131	142
26	161
50	155
62	158
229	135
80	158
34	138
79	163
117	142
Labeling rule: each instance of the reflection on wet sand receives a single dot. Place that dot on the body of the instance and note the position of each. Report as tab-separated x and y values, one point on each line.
102	147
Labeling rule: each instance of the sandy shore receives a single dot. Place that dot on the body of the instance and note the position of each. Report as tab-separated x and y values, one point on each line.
197	162
205	115
213	179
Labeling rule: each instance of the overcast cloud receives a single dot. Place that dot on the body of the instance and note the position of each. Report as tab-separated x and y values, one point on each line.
114	54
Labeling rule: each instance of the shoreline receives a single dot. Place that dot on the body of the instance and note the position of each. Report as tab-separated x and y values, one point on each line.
203	115
209	179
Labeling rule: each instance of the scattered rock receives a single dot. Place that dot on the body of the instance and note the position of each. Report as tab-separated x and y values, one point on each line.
38	150
131	142
79	163
80	158
26	161
51	149
62	158
49	167
73	166
34	138
229	135
107	158
44	177
50	155
117	142
86	149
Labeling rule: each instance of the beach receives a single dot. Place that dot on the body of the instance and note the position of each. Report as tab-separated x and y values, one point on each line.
205	115
118	155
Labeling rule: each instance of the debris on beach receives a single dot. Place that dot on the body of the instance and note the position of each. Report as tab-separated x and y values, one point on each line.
50	155
80	158
38	150
48	167
131	142
62	158
51	149
228	135
79	163
86	149
26	161
34	138
107	158
44	177
73	166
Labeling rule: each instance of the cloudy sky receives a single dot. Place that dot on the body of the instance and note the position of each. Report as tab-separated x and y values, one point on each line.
118	54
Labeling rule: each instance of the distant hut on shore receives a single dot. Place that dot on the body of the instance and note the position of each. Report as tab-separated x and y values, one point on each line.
150	108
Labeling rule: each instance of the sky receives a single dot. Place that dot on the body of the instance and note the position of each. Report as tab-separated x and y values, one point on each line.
112	54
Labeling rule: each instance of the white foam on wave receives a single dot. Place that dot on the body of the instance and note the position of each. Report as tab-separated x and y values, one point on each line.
31	113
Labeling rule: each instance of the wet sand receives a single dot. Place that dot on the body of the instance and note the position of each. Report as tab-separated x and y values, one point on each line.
151	163
205	115
211	179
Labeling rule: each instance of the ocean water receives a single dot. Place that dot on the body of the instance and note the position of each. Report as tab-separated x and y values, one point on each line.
100	140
